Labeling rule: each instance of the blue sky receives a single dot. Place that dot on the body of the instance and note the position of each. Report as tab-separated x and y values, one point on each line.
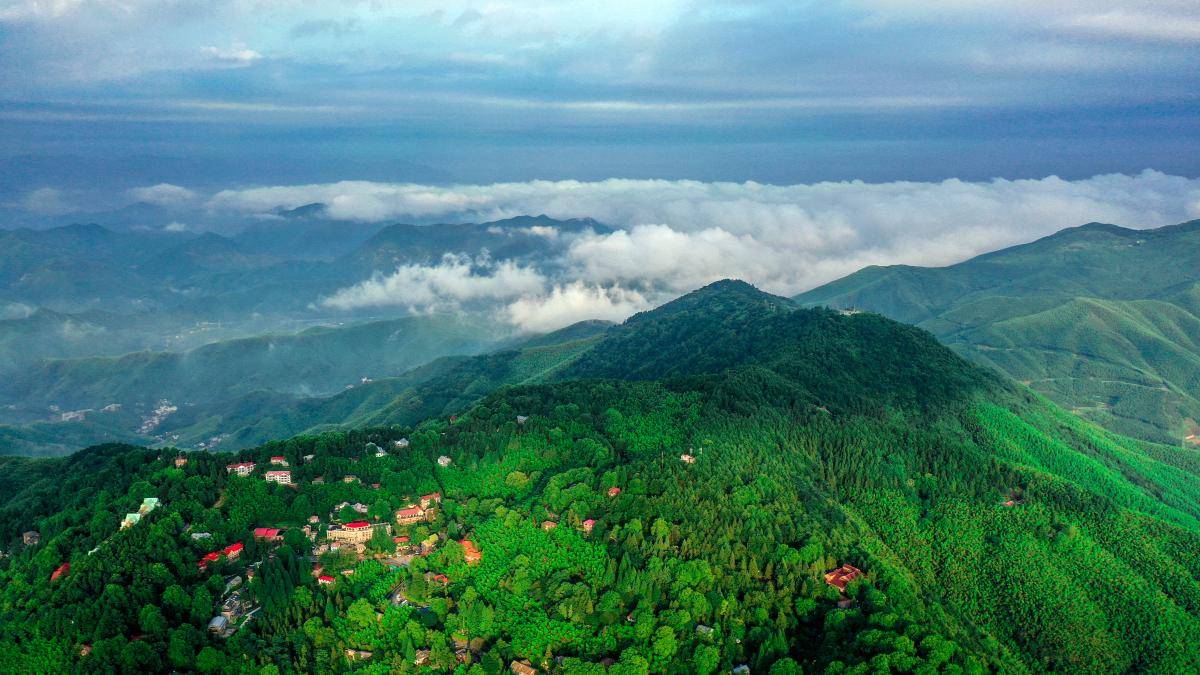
220	93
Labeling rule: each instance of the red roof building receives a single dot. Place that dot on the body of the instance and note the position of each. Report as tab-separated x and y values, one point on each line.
589	524
431	498
231	552
267	533
240	468
842	576
410	514
357	525
548	525
279	460
441	578
62	570
324	579
614	491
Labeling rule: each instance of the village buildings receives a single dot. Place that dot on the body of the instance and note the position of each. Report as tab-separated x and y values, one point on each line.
282	477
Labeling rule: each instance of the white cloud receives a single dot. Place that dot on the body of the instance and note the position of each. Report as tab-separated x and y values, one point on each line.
175	227
163	194
45	201
456	280
238	54
569	303
1173	20
677	235
15	310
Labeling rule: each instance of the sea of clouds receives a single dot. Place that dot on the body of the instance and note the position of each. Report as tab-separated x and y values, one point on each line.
673	236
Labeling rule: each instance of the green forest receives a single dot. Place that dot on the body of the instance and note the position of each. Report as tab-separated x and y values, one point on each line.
668	500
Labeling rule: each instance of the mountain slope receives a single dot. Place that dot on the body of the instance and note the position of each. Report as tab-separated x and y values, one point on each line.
819	439
1101	319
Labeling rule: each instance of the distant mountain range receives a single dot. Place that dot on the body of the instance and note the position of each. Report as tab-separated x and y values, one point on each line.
1102	319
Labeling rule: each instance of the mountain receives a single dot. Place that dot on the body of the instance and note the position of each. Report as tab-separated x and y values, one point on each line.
319	361
1101	319
724	481
444	386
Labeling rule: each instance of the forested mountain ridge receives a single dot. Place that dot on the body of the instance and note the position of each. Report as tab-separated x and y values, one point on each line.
668	499
1102	319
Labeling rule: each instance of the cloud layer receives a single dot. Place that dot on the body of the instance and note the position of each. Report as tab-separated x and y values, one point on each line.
674	236
677	235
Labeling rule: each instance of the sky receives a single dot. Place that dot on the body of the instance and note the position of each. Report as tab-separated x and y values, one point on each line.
786	143
101	97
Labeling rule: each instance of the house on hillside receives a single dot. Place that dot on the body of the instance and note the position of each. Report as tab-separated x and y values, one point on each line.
471	553
410	514
218	624
357	532
444	461
242	469
614	491
548	525
282	477
522	668
180	462
402	443
351	479
31	538
130	520
148	505
60	572
268	534
589	524
430	499
231	552
522	419
842	576
687	459
279	460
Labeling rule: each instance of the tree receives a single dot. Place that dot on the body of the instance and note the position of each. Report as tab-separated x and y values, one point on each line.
209	660
786	666
152	621
706	659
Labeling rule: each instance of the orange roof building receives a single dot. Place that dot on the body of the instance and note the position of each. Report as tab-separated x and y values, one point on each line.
471	553
842	576
61	571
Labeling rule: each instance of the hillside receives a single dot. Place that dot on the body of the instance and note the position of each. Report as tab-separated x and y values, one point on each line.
671	498
1101	319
